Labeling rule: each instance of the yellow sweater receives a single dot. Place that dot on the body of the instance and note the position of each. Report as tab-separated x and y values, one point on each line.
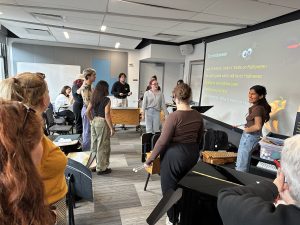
52	170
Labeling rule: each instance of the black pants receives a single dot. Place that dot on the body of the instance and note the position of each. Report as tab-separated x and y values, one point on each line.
176	162
77	106
68	114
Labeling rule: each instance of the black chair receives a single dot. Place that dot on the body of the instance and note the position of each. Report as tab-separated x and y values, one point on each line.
154	139
57	119
52	127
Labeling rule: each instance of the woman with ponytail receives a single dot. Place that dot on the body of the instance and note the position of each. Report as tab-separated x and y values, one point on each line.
22	191
258	114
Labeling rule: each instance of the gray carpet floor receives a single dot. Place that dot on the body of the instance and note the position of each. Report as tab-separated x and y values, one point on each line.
119	197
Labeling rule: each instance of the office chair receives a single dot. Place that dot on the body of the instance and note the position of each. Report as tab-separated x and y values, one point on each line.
52	127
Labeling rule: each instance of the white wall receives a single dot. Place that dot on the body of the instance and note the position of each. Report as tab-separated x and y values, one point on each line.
133	76
166	53
198	54
145	53
173	72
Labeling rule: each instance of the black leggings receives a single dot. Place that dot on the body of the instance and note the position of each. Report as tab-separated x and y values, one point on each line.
176	162
77	106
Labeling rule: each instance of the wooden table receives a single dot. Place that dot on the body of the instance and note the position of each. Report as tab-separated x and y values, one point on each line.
126	115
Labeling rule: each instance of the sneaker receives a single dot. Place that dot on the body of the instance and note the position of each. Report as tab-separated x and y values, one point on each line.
108	170
168	222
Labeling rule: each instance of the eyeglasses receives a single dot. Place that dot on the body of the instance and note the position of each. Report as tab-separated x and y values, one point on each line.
28	110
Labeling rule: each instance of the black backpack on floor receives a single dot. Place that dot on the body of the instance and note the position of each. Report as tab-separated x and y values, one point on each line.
215	140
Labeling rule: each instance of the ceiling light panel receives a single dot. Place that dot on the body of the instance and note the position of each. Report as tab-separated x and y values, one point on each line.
110	41
103	28
76	37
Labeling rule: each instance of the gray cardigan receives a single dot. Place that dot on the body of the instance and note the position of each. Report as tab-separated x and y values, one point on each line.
156	101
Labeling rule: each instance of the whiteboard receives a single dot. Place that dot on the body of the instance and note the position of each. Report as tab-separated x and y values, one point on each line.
57	75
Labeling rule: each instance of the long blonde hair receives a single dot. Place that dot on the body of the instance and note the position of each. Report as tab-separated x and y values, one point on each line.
27	87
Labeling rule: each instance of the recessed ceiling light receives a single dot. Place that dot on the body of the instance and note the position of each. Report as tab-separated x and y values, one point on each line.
103	28
66	35
1	13
117	45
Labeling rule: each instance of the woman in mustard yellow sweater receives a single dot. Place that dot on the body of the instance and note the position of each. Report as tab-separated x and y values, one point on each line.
32	90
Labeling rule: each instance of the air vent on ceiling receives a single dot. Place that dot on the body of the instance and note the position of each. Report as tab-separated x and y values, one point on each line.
45	16
39	32
168	36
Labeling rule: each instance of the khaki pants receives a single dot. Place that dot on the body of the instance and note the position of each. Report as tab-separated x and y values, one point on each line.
119	102
100	143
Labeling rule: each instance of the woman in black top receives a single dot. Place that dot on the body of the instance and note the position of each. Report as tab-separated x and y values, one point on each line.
98	112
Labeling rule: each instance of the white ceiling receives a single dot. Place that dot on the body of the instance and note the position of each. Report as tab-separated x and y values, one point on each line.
128	21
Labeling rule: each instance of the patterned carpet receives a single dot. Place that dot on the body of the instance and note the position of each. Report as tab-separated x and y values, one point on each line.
119	197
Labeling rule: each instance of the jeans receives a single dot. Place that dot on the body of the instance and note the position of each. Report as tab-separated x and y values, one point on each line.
152	119
247	143
86	134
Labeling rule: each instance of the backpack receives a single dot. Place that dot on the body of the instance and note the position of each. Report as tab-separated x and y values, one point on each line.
215	140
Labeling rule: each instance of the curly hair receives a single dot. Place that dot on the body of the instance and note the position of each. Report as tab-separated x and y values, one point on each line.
182	92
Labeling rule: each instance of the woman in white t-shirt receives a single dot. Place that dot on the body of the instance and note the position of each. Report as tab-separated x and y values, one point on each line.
62	104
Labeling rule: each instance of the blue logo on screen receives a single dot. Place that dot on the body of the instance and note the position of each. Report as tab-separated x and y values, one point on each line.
247	53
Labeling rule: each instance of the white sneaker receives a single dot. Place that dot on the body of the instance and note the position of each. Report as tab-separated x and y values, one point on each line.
168	222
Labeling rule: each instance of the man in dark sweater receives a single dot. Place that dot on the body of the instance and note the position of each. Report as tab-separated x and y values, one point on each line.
120	91
263	203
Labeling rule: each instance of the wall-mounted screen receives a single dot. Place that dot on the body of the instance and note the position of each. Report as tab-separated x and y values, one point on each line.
268	57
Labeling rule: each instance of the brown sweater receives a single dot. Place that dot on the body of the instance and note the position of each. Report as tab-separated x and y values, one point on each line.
180	127
255	111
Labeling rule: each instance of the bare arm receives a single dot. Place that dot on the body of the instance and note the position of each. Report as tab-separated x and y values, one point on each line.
108	118
164	139
257	125
89	112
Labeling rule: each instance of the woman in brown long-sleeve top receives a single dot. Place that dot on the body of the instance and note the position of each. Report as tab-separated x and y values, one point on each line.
178	145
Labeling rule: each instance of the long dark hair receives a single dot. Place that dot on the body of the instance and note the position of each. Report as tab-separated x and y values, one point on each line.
262	91
64	89
99	93
22	191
